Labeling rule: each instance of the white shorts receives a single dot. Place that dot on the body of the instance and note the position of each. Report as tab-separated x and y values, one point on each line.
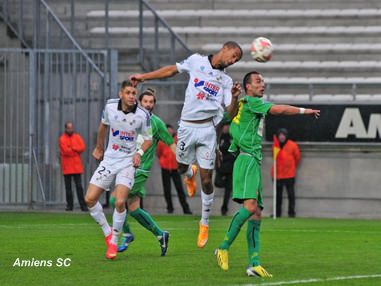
196	142
122	171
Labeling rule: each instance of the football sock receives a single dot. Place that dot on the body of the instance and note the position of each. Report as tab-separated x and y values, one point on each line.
97	213
117	224
236	223
207	203
126	226
189	172
146	221
112	201
253	241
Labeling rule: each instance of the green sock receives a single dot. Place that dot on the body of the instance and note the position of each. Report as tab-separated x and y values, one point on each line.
235	226
126	226
112	201
146	221
253	241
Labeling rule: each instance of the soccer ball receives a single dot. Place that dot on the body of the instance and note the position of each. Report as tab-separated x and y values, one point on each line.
261	49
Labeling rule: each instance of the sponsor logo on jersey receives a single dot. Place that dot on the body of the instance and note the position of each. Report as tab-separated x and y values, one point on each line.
115	147
200	95
123	135
209	88
114	132
125	149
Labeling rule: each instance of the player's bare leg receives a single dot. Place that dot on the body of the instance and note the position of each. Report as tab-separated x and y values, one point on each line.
96	211
207	197
190	172
121	193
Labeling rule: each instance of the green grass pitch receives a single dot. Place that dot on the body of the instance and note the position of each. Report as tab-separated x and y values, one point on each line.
296	251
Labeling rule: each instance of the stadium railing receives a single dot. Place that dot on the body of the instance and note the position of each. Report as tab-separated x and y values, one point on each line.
49	81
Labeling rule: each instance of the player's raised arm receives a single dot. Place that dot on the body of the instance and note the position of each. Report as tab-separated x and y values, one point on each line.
293	110
233	107
164	72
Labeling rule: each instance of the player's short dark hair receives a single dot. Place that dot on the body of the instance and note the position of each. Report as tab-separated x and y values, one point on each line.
125	84
247	78
149	92
233	45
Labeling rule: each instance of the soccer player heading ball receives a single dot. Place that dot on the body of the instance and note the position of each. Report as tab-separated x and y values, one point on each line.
209	89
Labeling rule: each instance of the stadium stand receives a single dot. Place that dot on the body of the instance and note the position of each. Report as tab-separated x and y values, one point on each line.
339	40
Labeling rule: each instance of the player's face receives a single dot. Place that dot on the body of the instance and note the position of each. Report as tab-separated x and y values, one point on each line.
128	95
148	102
230	56
257	86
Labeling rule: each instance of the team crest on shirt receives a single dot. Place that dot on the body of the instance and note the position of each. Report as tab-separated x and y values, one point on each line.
202	68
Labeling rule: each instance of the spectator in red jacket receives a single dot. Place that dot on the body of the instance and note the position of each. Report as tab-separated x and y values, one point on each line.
168	164
287	161
71	146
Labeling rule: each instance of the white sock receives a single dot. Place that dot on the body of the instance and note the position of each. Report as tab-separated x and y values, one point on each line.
97	213
207	204
117	224
189	172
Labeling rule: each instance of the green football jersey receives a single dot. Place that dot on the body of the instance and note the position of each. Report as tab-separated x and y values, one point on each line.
246	128
159	132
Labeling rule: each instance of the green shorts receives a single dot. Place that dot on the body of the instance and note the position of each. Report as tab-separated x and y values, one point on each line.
247	179
138	188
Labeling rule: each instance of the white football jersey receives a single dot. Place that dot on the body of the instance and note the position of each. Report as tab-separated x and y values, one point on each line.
124	129
208	89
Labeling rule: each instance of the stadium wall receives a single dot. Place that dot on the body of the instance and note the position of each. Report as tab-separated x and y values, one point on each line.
330	183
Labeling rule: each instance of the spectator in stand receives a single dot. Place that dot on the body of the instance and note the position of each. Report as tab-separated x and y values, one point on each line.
168	164
224	167
71	146
286	164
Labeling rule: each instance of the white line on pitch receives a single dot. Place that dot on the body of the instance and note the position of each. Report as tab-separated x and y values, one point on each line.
315	280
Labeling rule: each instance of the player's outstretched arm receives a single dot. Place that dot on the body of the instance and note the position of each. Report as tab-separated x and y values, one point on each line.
232	109
164	72
293	110
98	150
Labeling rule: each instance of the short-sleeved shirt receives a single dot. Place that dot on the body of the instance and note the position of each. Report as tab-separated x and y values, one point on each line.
207	91
246	127
159	133
124	129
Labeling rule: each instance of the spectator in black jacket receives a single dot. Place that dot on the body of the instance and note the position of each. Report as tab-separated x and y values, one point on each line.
224	167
